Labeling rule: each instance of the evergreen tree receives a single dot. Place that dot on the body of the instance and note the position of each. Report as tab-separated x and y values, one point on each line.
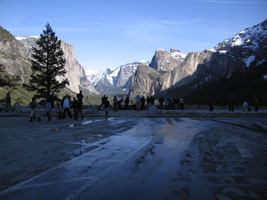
47	64
7	80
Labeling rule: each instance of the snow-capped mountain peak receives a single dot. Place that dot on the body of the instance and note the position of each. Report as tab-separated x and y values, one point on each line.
94	75
245	44
248	38
117	78
178	55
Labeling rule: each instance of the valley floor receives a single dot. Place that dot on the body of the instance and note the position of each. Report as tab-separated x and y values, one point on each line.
133	158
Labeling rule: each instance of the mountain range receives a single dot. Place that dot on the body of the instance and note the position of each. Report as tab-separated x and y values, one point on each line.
114	81
246	48
171	69
166	71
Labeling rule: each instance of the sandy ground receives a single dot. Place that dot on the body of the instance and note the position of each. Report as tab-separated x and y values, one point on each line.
133	158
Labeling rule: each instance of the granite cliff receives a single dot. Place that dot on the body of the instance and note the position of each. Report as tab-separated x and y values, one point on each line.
246	48
14	56
75	71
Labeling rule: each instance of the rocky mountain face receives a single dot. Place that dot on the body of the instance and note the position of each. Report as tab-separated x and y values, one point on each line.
246	44
114	81
165	69
75	71
145	81
166	61
245	48
14	56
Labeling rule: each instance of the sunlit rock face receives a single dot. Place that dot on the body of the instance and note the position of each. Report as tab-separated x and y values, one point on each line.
246	48
145	81
166	61
14	56
75	71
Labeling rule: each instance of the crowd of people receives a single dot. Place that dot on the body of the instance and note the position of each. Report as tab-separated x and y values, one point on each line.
67	104
63	107
140	103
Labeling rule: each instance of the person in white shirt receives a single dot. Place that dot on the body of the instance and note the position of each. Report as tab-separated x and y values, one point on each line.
66	106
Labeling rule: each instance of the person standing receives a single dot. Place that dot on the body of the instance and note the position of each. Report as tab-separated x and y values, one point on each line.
59	109
8	102
80	104
171	105
148	101
106	106
245	106
176	103
48	109
76	108
161	100
66	106
167	103
34	112
115	104
103	99
138	102
257	105
181	103
211	105
152	100
120	102
127	101
143	101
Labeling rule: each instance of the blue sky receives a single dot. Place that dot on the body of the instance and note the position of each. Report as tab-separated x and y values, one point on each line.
109	33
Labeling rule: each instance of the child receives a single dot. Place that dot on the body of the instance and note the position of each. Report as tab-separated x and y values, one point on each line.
34	110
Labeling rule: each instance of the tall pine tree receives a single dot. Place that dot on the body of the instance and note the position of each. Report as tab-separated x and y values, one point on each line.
47	64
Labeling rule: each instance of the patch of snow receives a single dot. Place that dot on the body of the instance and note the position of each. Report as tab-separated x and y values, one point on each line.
26	37
94	76
249	60
237	41
113	76
213	50
143	61
247	38
223	51
160	49
178	55
92	72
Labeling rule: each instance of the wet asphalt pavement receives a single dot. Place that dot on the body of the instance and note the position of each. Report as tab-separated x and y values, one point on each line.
151	158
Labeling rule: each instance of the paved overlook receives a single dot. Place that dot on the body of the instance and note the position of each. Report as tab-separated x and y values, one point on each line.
133	158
